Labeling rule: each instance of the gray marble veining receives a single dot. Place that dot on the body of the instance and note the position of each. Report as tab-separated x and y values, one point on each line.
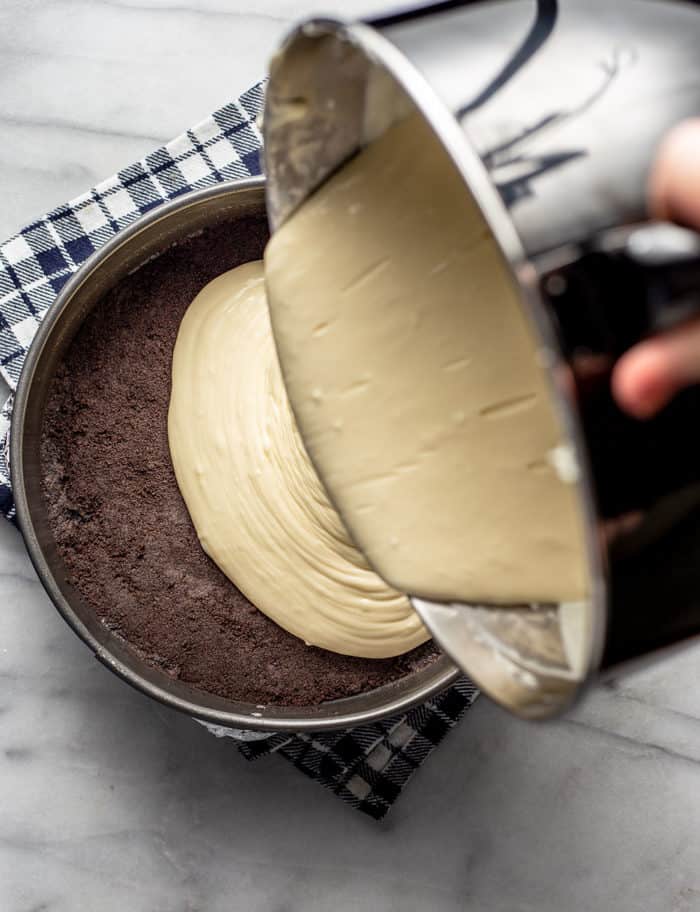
110	802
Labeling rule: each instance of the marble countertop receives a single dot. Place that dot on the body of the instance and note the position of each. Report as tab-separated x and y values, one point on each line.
111	802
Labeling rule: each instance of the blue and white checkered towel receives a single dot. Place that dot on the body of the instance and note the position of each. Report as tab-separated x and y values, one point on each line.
367	766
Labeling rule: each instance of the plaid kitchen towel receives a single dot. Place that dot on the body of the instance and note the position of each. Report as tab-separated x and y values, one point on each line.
367	766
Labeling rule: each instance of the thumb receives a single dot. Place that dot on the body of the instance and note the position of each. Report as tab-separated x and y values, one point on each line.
674	184
648	376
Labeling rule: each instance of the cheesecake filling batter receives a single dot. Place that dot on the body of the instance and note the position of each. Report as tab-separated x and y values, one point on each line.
415	380
256	502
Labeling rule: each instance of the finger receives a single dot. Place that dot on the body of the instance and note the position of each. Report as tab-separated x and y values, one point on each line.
647	377
674	182
612	530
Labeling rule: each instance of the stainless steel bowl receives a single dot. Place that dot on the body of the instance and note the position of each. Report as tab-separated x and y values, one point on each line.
164	226
552	113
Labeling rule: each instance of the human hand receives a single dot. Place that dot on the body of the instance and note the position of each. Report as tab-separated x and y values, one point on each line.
649	375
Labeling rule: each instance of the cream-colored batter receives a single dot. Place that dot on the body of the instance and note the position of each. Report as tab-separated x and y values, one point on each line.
415	380
255	500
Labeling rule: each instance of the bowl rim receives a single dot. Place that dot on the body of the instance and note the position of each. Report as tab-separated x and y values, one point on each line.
287	719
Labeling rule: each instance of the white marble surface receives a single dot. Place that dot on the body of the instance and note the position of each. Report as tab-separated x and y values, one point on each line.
109	802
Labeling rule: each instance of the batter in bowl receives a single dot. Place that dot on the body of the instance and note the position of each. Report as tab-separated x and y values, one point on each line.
415	379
